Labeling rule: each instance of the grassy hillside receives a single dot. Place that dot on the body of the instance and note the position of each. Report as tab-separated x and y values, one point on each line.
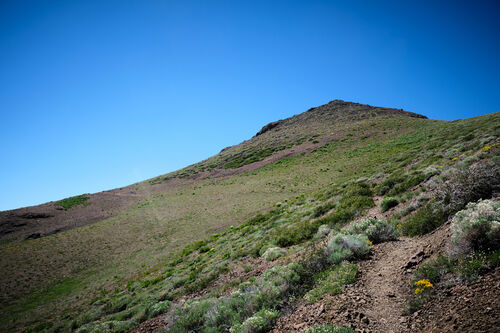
190	230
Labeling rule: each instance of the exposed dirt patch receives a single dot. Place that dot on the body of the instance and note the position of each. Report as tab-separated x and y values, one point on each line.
46	219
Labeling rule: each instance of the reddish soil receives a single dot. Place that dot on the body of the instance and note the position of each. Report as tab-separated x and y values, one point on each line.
49	218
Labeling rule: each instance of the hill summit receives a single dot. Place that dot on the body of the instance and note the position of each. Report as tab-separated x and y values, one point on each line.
344	218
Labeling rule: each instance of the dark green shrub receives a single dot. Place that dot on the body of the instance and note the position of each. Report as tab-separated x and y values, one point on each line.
273	253
341	216
494	258
351	205
409	182
426	219
388	184
357	189
356	203
434	270
472	267
330	282
204	249
397	184
296	234
39	328
323	209
388	203
260	218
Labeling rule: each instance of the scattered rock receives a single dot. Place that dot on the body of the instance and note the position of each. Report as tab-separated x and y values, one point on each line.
34	236
298	326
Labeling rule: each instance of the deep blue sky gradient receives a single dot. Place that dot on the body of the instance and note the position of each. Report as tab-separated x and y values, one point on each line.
100	94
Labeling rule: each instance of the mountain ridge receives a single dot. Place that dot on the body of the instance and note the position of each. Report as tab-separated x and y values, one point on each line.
271	189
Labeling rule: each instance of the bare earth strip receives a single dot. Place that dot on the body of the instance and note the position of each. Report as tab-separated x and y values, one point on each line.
376	301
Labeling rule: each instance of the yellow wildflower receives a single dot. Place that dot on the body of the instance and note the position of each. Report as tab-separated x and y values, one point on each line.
419	290
424	282
369	243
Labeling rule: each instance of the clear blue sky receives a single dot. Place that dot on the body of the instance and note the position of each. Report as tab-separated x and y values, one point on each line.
100	94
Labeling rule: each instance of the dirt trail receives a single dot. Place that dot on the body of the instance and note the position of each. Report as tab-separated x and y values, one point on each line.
385	285
376	301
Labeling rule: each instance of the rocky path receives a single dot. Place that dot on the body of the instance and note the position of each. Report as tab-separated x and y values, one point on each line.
385	283
376	301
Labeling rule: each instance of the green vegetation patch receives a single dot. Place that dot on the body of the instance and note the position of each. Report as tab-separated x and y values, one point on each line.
73	201
377	230
330	282
475	250
388	203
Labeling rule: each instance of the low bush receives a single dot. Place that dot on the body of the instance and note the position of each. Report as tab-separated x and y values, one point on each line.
476	228
355	198
388	184
296	234
434	270
342	247
446	271
159	308
388	203
461	185
467	184
264	248
259	322
426	219
251	307
472	266
377	230
273	253
347	209
356	203
397	184
331	281
323	231
357	189
323	209
409	182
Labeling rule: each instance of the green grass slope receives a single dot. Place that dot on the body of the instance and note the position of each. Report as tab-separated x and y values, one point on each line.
193	226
